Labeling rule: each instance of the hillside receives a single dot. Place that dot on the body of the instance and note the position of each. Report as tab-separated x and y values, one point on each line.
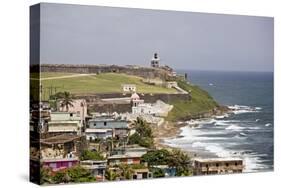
91	83
200	104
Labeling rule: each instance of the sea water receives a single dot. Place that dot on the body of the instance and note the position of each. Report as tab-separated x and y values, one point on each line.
246	133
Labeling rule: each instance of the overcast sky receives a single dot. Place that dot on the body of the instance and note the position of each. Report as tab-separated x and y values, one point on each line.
72	34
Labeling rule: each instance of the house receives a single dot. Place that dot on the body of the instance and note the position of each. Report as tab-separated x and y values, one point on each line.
60	164
120	128
130	150
129	88
142	173
64	123
92	134
217	166
79	107
61	151
123	159
97	168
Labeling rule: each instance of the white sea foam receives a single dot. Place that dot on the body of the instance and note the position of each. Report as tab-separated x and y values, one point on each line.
268	124
240	109
234	127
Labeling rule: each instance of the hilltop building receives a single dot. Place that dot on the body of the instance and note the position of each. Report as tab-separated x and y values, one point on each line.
129	88
155	61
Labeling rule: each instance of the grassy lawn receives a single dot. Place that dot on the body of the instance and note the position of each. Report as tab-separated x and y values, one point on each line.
102	83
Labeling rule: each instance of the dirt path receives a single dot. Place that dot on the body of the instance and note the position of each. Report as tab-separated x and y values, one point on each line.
62	77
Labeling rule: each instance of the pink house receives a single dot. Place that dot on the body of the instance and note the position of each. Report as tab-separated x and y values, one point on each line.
59	164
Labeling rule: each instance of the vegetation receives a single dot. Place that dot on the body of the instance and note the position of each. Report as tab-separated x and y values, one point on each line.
201	102
175	158
157	157
111	175
157	172
91	155
101	83
75	174
67	101
143	135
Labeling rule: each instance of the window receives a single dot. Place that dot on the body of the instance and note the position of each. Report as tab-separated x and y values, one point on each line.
217	165
236	163
71	114
227	164
105	123
130	161
95	124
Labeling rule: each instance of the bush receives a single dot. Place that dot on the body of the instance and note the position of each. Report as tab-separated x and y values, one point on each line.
91	155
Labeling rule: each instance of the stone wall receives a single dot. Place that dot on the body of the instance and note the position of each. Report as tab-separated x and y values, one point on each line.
146	72
96	105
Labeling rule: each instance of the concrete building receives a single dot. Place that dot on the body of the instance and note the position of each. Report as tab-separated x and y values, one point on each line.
129	88
61	151
217	166
130	150
92	134
96	167
79	107
159	109
64	123
120	128
124	159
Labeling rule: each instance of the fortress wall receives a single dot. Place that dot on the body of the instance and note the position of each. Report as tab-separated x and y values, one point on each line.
146	72
148	98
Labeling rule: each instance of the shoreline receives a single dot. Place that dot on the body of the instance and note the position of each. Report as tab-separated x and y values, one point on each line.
170	130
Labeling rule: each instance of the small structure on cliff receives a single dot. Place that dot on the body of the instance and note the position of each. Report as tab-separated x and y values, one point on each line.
155	61
128	88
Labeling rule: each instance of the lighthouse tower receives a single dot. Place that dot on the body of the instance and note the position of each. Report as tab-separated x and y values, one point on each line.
155	61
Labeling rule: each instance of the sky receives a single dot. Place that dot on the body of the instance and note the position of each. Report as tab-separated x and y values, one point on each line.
73	34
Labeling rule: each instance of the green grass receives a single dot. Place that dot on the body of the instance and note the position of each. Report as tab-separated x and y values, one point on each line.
201	102
101	83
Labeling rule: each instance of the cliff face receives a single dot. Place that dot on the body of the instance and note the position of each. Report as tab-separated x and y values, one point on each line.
145	72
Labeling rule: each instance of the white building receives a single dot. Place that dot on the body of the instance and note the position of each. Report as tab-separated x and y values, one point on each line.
129	88
159	109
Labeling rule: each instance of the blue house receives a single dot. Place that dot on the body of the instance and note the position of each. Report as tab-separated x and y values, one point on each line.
120	128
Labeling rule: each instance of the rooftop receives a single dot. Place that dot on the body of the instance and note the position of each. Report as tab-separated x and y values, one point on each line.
60	139
217	159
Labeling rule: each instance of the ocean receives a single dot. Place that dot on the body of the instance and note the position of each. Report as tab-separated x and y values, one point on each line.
248	132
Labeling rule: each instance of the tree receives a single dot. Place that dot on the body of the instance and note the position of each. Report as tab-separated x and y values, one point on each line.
126	171
111	175
143	135
158	172
66	100
74	174
45	175
157	157
181	161
91	155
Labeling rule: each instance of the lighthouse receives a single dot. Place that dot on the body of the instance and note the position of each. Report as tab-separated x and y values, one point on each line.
155	61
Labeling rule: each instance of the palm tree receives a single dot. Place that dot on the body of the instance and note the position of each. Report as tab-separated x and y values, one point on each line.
126	171
66	100
111	175
181	161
